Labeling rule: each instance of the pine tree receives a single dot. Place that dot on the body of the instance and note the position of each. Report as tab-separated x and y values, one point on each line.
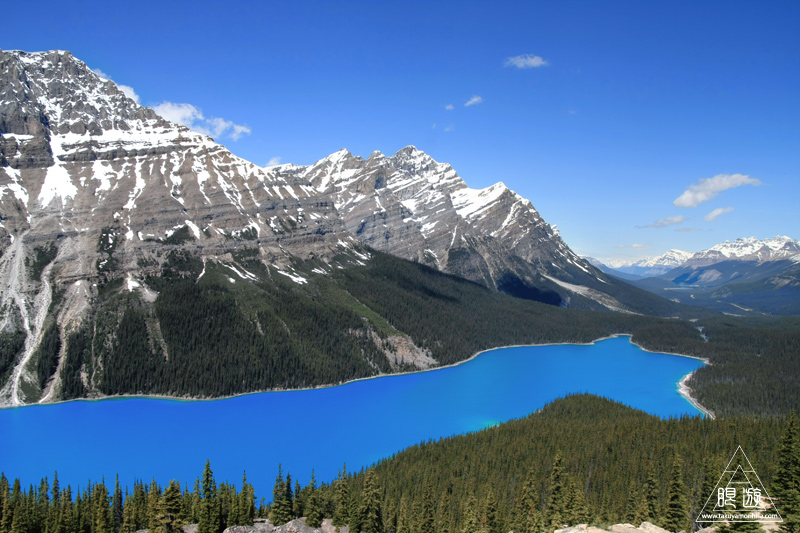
68	511
14	509
786	484
116	506
427	518
787	474
103	520
153	506
282	499
443	520
128	517
288	498
341	500
469	515
194	518
632	505
556	505
139	506
186	505
209	508
42	506
528	514
491	518
370	510
76	518
707	483
791	512
355	518
247	503
19	524
577	511
170	508
232	500
314	512
6	511
277	511
404	515
299	504
648	506
676	516
55	522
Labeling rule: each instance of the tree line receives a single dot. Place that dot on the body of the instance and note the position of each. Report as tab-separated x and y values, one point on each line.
50	508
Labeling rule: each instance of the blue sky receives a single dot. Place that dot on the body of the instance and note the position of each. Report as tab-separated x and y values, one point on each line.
627	124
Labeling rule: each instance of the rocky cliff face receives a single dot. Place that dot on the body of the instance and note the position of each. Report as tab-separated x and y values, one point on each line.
414	207
95	189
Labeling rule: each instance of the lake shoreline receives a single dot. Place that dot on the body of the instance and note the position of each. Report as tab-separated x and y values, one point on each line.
683	388
685	391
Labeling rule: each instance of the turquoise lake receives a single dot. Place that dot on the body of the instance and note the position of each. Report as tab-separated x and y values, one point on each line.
357	423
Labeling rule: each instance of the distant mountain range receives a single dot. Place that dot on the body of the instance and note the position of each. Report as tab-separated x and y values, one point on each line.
644	268
746	276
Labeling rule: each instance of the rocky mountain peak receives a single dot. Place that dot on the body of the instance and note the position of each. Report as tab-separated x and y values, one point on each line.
55	93
411	159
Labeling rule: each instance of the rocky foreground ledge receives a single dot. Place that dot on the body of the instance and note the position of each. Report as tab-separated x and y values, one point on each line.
646	527
299	526
264	526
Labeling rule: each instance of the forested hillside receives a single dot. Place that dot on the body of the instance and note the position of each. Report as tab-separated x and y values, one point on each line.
274	333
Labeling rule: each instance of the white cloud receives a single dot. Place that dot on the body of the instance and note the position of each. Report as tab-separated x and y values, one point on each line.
193	118
473	101
238	131
185	114
449	107
717	212
664	222
218	125
274	161
129	92
638	246
525	61
450	128
708	188
101	73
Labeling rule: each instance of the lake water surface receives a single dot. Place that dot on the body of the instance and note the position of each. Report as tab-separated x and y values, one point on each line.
357	423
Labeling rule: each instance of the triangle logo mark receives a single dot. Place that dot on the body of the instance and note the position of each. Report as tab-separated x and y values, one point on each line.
739	495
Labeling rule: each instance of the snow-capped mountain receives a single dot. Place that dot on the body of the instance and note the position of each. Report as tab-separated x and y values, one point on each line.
93	186
743	260
655	266
414	207
747	249
97	191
